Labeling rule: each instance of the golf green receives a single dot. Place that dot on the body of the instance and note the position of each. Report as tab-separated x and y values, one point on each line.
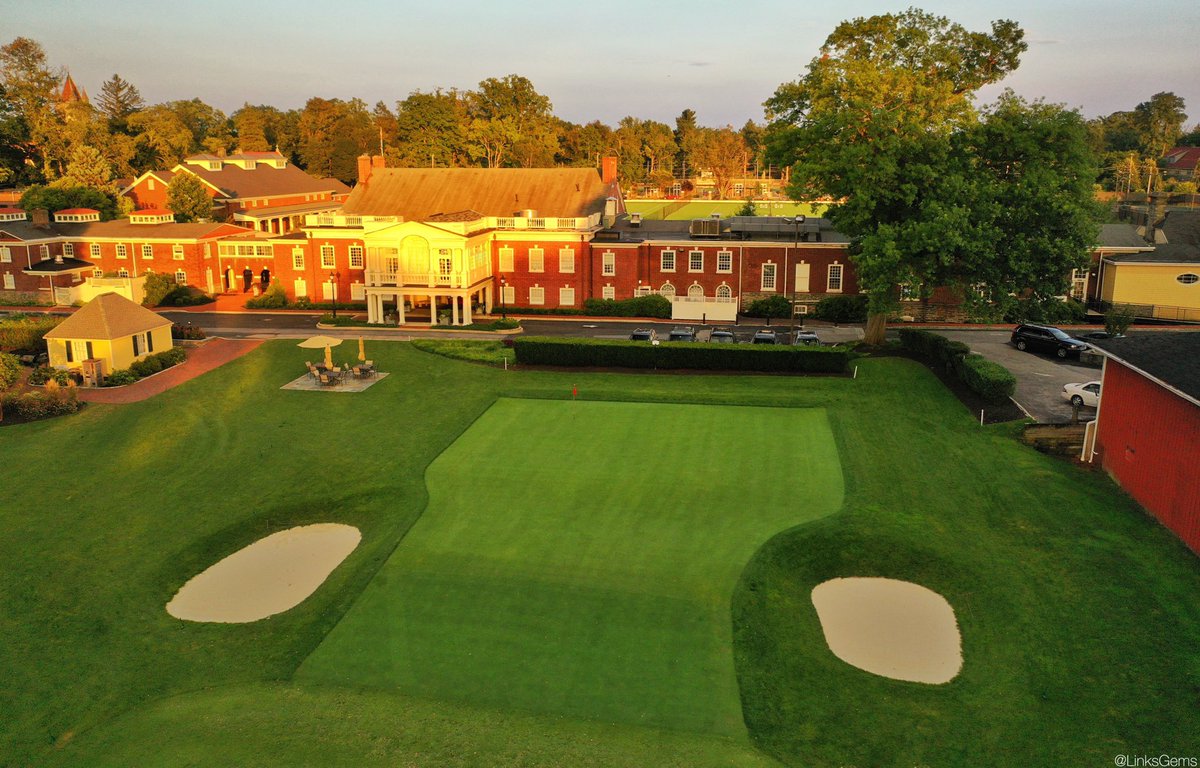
578	559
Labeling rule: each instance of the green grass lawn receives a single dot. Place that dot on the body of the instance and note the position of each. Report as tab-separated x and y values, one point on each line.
578	558
1078	614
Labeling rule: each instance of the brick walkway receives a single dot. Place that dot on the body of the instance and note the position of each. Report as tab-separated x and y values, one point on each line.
202	359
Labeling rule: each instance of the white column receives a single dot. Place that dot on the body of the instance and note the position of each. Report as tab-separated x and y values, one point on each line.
454	310
399	309
372	317
488	298
432	310
467	310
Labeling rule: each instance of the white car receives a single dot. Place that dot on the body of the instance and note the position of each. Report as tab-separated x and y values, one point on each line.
1082	394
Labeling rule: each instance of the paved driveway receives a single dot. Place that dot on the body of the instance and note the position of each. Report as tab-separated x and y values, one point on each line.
1040	377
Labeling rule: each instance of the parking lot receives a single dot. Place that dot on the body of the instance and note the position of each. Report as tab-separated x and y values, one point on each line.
1040	377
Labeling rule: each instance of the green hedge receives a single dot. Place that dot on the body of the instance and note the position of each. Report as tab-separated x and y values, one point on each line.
39	405
26	332
772	306
849	308
10	370
638	306
602	353
991	381
147	366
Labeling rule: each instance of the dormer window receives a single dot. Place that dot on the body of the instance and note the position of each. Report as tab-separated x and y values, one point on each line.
152	216
12	214
214	165
76	216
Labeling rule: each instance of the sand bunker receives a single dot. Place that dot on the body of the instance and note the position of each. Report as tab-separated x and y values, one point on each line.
268	577
892	628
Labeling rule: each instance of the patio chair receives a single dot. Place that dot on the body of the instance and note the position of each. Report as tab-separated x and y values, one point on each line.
327	380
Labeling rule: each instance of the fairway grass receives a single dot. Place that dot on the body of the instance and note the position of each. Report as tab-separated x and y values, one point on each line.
1078	612
578	558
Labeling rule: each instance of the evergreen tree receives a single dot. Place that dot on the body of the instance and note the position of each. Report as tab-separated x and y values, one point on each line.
188	198
118	100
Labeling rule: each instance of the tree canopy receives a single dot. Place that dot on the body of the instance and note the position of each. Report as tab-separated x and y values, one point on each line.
188	198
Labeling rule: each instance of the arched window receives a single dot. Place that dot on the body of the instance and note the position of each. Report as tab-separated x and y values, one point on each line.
414	255
724	292
667	290
696	291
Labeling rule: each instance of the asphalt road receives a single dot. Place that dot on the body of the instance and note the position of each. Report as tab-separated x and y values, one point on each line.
1040	377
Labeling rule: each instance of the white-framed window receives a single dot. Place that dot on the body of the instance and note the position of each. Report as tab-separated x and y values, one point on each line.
10	282
695	291
177	252
208	250
695	261
328	260
68	249
122	251
94	249
509	294
297	259
97	272
608	261
147	252
725	262
666	261
356	257
768	277
1188	278
667	290
608	292
724	292
328	290
803	272
181	277
122	272
835	278
300	287
537	260
566	260
44	250
445	266
506	259
566	297
537	295
739	190
358	291
150	184
5	254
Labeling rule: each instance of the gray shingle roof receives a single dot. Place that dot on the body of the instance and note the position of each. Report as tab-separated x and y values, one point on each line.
1172	357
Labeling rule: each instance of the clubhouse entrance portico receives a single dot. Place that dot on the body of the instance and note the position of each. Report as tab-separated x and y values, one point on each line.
412	263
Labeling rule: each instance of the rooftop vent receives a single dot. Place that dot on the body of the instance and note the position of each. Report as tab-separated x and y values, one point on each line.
705	228
635	219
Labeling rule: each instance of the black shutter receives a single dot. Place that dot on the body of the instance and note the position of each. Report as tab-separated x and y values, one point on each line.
70	352
135	346
89	351
149	341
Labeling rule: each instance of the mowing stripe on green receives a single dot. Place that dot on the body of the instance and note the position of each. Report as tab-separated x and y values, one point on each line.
578	558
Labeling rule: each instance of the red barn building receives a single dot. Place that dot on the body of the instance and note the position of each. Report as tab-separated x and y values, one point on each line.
1148	425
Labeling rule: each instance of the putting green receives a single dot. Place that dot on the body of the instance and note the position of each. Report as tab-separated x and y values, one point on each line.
578	559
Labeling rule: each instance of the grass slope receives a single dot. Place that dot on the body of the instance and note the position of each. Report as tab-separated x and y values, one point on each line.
1079	615
578	558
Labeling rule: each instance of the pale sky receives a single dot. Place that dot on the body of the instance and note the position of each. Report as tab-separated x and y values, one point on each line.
595	60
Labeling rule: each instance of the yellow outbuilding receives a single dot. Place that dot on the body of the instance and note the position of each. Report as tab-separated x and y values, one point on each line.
107	334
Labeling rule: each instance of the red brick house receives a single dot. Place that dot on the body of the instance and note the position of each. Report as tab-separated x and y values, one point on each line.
1147	433
258	190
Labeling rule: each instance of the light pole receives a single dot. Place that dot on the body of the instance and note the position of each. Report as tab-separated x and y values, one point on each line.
333	278
795	221
503	285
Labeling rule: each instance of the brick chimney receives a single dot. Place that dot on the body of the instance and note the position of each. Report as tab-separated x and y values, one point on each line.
608	170
364	168
1154	213
377	161
41	218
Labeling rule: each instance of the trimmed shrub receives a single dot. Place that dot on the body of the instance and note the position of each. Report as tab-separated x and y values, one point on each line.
10	370
934	346
849	308
146	366
189	332
515	310
638	306
158	286
120	378
1053	311
274	298
40	405
991	381
39	376
602	353
773	306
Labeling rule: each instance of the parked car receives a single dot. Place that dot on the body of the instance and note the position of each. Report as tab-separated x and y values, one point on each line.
682	334
1082	394
807	337
765	337
643	334
1046	338
722	336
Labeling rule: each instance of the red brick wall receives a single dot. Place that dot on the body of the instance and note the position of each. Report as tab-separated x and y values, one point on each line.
550	279
1149	440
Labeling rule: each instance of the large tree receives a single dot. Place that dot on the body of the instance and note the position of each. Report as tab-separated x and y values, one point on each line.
868	126
33	126
431	130
723	153
118	100
511	123
188	198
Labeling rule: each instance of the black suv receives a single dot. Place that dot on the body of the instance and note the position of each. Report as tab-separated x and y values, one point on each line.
1046	338
682	334
644	334
764	337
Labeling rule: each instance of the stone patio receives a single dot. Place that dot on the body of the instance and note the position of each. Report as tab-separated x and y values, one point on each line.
349	384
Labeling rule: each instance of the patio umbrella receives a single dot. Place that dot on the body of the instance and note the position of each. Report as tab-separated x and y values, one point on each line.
328	357
316	342
362	353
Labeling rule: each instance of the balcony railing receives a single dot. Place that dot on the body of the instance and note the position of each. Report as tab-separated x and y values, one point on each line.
427	279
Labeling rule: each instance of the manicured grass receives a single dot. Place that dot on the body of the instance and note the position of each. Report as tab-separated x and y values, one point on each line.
476	351
590	575
1078	614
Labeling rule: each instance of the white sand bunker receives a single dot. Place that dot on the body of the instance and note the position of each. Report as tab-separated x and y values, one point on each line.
892	628
268	577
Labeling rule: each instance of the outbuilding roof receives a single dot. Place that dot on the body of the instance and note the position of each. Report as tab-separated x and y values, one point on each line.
264	181
419	193
1170	358
108	316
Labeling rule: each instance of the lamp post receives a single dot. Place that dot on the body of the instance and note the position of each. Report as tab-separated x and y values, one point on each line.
795	221
503	313
333	278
